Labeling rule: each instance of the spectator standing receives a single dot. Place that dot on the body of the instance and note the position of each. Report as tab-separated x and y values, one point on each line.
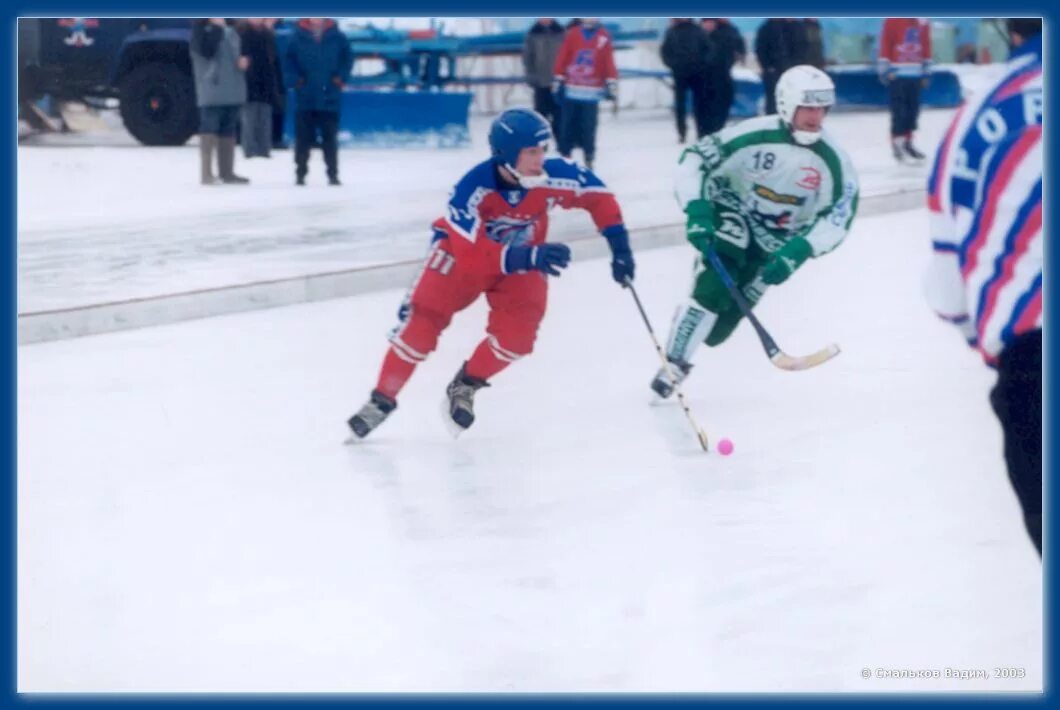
220	91
318	61
540	48
813	43
779	44
584	74
727	48
685	50
256	126
279	104
904	66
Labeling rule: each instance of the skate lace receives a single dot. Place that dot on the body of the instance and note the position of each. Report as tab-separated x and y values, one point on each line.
461	396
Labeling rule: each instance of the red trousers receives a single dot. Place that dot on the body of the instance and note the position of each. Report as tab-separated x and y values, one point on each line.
517	305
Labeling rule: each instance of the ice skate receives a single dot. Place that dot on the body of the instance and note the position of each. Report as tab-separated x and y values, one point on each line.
912	152
461	400
370	416
663	384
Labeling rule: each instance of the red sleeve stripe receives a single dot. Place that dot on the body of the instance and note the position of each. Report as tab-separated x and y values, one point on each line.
1030	228
996	187
938	174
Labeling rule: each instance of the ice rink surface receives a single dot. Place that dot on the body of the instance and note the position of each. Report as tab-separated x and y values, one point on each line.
189	519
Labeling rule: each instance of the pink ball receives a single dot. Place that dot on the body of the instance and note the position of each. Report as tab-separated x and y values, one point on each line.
725	447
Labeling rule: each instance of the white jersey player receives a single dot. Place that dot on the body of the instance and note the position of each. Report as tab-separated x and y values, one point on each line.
764	196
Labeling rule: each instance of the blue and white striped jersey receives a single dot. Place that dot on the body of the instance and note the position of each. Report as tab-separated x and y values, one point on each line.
985	201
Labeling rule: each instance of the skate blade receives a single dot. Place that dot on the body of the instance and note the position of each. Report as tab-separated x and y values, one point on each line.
657	401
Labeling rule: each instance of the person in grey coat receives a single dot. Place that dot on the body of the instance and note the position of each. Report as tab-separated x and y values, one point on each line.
540	48
218	64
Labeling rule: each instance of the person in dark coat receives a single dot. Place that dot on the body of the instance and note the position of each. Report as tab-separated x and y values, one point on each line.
540	48
256	119
779	45
317	62
727	48
685	49
279	104
813	48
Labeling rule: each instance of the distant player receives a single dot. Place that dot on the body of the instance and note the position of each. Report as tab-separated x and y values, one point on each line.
985	201
585	74
492	241
765	195
904	66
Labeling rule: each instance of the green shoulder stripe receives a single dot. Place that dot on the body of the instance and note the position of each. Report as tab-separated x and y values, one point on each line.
768	135
831	159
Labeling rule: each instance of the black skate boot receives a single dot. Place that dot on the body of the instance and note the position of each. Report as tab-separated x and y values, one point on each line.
461	394
372	414
911	151
663	385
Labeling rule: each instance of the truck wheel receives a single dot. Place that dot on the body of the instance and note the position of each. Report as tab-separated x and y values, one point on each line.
158	104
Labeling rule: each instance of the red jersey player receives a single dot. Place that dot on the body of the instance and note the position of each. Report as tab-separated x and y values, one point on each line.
492	241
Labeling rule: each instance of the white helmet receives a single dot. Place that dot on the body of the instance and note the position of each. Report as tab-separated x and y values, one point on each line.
803	86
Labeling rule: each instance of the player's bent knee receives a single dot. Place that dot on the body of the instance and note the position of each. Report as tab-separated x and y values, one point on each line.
418	336
711	294
713	302
724	327
510	349
516	335
428	318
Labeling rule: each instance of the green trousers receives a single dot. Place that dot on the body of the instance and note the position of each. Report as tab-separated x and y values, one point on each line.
709	290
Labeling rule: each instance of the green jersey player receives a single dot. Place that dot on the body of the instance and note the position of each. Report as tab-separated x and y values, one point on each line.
764	195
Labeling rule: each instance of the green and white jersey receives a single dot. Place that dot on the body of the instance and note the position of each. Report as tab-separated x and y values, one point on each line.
782	188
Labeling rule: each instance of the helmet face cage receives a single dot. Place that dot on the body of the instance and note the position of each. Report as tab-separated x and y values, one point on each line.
514	130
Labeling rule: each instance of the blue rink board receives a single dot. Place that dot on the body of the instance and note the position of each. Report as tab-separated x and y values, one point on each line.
860	89
398	119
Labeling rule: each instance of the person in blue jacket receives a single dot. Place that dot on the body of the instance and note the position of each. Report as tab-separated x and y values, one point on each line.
317	62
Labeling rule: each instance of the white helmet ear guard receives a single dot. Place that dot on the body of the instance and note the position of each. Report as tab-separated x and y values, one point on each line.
803	85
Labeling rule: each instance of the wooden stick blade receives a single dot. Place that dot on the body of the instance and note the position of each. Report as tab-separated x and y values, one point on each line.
787	362
703	440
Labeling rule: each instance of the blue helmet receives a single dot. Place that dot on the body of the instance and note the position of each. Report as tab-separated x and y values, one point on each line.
515	129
